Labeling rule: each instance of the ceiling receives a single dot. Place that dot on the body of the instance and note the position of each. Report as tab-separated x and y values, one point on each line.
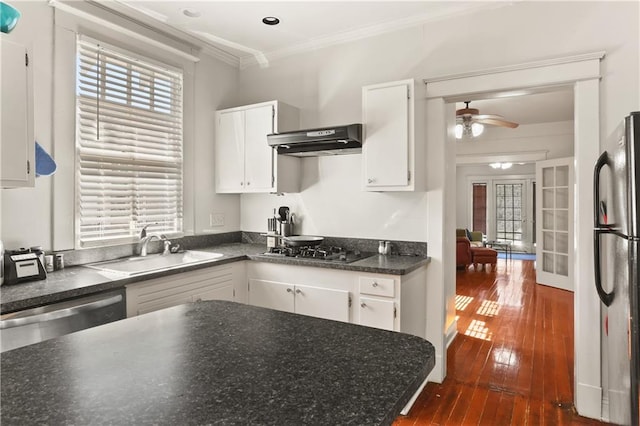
236	28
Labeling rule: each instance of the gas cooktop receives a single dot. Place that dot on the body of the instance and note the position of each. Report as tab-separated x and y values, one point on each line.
320	253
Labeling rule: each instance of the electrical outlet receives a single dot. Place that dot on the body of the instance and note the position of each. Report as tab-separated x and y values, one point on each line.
216	219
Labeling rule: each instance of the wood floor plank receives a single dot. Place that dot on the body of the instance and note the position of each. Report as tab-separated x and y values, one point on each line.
512	361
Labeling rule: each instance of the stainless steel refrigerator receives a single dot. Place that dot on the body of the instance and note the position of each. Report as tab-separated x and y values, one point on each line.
616	247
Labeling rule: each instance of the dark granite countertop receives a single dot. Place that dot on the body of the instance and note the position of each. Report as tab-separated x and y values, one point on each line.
79	280
215	363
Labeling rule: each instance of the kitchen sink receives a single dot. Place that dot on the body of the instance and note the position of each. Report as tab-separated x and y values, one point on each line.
154	262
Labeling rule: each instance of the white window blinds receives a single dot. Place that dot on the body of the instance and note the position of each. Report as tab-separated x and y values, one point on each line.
129	146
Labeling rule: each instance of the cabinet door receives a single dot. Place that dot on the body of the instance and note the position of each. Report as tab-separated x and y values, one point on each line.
322	303
258	155
386	144
377	313
230	152
272	295
220	293
17	147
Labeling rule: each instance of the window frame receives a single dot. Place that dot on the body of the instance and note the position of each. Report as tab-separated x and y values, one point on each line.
79	243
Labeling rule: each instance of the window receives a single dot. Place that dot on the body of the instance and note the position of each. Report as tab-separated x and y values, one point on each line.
480	207
129	155
509	211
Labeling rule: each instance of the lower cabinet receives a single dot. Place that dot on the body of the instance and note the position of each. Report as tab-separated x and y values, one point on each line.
300	299
378	313
389	302
215	283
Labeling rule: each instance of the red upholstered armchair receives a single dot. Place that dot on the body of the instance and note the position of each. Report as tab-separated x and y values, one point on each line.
463	252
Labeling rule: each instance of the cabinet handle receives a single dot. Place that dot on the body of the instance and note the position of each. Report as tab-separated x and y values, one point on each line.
370	180
248	183
363	305
375	284
298	291
241	183
289	290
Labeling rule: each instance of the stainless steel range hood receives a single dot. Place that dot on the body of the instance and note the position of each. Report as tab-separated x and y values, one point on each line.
335	140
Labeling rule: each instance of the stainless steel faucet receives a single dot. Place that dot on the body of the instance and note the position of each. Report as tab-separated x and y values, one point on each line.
146	239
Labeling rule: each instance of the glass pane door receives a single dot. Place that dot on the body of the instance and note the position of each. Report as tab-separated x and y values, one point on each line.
554	204
509	202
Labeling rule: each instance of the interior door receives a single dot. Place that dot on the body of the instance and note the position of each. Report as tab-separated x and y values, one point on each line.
554	209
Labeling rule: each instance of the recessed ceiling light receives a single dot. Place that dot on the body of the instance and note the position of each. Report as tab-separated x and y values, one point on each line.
270	20
191	13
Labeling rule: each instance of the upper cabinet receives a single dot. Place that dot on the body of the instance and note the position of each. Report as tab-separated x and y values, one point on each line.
244	160
17	144
392	138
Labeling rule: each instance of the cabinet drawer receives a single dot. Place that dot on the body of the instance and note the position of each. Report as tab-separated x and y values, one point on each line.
377	286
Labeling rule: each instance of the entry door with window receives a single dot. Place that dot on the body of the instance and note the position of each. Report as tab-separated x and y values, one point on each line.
554	209
510	213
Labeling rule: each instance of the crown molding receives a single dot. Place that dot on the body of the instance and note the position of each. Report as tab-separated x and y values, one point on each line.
155	23
366	32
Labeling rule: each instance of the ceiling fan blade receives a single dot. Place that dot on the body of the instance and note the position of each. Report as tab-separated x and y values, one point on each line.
496	122
488	116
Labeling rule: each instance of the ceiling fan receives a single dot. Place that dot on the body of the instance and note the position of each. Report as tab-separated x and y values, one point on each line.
471	123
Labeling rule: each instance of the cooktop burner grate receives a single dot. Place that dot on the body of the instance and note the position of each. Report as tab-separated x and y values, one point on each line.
332	254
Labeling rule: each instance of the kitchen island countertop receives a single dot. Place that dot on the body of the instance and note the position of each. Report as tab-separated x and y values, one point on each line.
79	281
216	362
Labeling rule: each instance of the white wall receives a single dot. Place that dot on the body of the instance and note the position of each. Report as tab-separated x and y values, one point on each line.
326	86
27	214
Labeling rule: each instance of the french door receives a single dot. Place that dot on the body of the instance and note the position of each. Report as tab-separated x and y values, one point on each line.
511	213
554	250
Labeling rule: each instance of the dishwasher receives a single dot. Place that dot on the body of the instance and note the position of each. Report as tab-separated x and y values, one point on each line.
34	325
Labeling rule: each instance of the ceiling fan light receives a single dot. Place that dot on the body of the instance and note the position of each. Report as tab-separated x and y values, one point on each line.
477	129
458	131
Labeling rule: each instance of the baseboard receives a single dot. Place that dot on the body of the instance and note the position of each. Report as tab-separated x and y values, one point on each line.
452	332
437	375
605	409
588	401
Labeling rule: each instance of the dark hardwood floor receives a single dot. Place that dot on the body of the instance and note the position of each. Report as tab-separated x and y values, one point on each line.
512	361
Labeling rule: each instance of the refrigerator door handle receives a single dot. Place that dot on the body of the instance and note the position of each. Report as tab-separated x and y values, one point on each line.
600	228
603	160
607	298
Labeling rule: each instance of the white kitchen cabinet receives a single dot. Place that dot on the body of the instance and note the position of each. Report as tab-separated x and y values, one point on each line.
214	283
378	313
244	160
17	144
272	295
392	302
300	299
392	139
